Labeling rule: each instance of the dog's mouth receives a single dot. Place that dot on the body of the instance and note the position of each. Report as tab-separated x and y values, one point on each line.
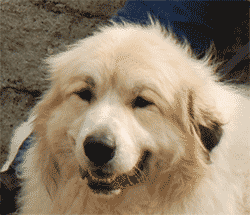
113	184
103	186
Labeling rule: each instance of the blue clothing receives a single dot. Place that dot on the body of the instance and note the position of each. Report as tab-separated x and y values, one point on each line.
19	157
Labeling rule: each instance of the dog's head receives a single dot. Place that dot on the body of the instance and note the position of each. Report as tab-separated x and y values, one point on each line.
125	106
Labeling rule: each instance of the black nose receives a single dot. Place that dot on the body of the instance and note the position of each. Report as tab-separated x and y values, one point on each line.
99	148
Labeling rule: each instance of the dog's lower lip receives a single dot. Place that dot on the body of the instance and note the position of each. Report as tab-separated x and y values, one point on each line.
104	186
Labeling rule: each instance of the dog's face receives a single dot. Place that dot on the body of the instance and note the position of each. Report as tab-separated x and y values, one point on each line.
118	123
124	112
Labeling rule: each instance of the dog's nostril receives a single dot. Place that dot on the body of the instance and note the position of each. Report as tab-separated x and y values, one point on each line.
99	150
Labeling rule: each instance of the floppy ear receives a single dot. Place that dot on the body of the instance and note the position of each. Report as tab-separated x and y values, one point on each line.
20	135
210	137
206	121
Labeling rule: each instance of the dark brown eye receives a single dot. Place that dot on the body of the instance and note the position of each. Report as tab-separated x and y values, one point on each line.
140	102
85	94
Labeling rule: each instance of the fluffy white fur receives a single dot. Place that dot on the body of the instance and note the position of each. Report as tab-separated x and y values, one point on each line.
117	65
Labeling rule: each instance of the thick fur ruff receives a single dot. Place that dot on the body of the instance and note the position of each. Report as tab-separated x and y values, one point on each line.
134	123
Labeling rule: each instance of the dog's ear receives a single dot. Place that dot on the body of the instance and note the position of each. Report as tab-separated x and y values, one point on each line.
210	137
206	121
20	135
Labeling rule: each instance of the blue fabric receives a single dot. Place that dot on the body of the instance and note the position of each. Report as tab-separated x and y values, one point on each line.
19	157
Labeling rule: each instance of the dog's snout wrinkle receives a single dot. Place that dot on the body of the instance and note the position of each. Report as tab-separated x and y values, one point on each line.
99	149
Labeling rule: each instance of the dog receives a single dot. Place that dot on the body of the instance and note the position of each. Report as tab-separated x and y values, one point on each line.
134	123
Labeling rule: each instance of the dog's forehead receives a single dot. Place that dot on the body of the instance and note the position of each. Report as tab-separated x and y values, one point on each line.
123	71
127	67
127	81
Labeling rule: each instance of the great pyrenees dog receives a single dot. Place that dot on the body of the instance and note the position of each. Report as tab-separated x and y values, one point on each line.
134	123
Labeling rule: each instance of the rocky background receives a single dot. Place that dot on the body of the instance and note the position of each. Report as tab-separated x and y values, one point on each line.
31	30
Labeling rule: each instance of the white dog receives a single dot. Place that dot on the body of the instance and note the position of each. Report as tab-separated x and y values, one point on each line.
133	123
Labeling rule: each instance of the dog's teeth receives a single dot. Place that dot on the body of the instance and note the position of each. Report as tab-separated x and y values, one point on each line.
106	180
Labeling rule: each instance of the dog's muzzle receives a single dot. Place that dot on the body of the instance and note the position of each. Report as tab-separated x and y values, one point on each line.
100	149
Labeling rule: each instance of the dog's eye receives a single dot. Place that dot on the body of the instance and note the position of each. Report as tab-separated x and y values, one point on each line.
85	94
140	102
